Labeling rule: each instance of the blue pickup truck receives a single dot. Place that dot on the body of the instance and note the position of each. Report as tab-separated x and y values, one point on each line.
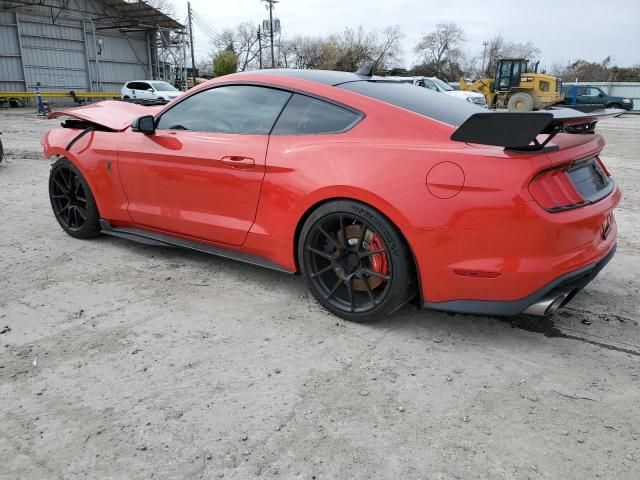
587	95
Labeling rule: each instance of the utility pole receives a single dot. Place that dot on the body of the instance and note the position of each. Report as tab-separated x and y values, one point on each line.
484	54
270	3
193	60
260	47
184	63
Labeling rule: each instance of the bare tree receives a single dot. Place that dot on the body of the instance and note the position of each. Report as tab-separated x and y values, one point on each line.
500	48
585	71
441	48
243	40
470	65
165	6
306	52
205	67
346	51
387	47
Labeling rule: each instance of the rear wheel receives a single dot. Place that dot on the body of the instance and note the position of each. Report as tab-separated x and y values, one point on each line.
520	102
72	201
355	262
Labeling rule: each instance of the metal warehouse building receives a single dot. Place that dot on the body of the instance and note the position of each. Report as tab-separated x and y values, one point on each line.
84	45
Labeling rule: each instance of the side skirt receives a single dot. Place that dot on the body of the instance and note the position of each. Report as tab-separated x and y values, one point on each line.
159	239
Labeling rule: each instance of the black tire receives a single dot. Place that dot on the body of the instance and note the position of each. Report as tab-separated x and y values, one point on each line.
72	201
126	97
355	262
520	102
614	105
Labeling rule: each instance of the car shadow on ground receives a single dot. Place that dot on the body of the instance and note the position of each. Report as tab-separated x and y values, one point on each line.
409	320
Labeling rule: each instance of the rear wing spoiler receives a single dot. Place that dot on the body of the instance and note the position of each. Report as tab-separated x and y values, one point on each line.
520	131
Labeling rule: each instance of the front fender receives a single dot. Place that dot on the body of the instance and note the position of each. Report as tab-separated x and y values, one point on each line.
94	154
55	141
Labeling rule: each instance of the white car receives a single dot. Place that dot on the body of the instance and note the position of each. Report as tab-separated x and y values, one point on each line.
149	90
437	85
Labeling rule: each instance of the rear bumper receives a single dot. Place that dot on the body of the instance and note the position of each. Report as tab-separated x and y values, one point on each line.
573	281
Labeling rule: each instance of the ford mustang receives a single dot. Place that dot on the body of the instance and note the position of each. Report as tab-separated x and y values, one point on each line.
377	193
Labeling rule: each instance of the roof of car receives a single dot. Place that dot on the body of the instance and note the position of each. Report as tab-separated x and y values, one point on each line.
328	77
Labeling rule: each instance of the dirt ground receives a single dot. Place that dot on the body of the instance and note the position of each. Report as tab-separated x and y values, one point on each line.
125	361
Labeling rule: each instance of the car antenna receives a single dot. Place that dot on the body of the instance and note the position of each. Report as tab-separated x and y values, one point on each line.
366	70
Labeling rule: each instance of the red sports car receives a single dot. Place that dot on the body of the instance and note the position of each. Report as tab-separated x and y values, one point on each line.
375	192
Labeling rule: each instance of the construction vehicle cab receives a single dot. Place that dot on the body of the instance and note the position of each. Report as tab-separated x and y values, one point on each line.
509	70
518	87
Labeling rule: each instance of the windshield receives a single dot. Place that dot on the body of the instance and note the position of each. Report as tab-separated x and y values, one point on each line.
164	87
443	85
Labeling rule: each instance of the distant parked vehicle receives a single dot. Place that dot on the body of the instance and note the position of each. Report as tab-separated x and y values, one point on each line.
585	94
149	90
437	85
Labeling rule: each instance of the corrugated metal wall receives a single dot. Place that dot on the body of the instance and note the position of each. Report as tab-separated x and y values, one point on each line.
11	72
62	55
618	89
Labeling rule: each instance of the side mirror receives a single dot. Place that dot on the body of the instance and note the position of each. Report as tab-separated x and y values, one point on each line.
600	95
150	90
146	125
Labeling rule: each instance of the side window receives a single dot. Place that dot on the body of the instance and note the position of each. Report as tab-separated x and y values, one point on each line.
307	115
594	92
430	85
243	109
134	86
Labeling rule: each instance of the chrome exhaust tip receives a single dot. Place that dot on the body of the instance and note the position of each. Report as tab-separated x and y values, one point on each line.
547	305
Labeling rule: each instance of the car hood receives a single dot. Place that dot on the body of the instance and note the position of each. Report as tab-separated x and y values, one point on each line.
110	114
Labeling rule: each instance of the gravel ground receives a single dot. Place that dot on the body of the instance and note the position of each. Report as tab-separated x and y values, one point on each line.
125	361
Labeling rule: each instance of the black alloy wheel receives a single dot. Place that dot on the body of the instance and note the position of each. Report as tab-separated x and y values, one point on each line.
355	262
71	200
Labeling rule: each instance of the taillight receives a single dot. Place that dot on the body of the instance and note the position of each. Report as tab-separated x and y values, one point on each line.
554	191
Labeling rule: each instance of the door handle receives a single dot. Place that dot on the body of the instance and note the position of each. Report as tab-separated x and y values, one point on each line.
238	162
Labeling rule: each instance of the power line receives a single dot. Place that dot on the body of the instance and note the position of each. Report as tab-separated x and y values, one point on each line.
211	34
206	29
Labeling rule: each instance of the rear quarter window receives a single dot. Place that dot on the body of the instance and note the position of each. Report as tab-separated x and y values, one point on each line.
137	86
423	101
307	115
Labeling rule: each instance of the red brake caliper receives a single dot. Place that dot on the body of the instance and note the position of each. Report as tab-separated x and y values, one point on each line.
379	261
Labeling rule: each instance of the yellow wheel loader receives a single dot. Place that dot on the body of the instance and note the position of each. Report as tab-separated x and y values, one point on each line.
517	88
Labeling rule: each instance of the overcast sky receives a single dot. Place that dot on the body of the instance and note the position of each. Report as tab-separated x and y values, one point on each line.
563	29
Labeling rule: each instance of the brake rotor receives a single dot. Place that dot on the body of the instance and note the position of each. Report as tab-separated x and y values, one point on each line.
377	262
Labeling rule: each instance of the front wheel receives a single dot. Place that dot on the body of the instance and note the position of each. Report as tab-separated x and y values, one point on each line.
355	262
520	102
72	202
